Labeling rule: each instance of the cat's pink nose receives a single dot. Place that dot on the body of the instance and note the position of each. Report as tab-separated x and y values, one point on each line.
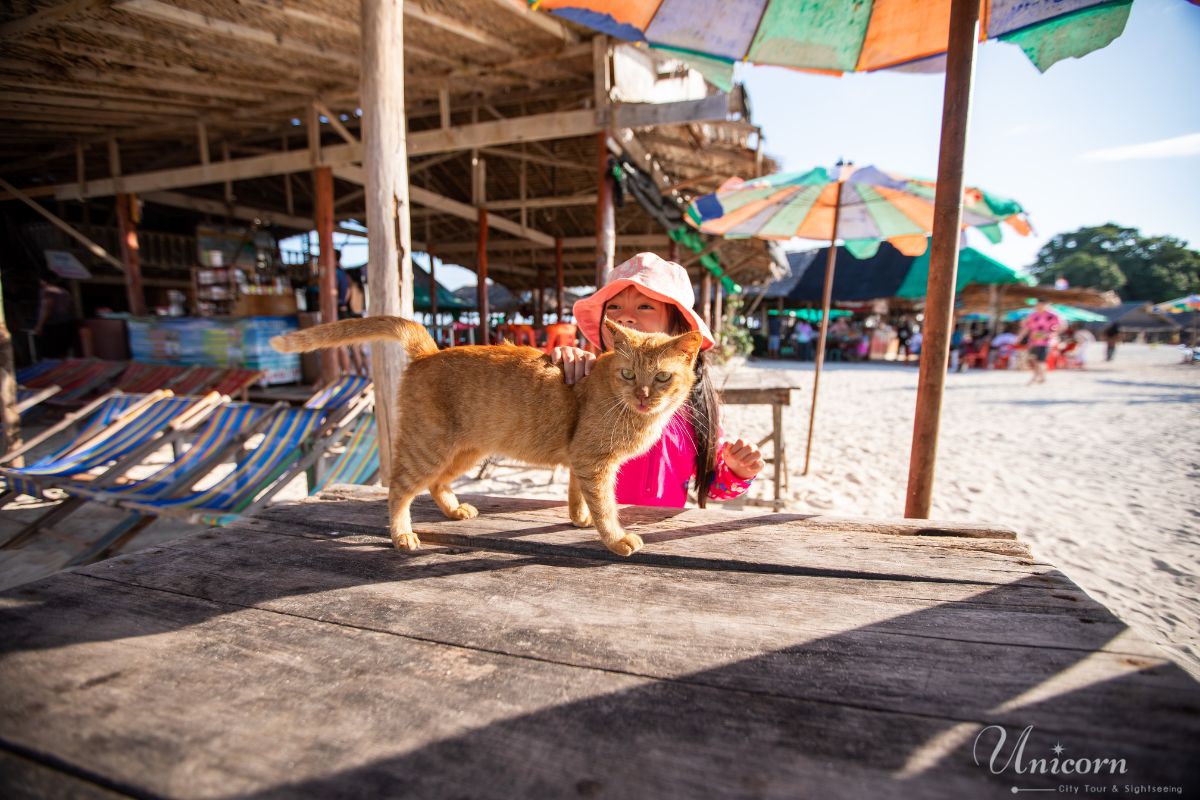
644	392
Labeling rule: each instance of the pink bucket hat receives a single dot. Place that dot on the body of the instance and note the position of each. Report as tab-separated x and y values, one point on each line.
653	276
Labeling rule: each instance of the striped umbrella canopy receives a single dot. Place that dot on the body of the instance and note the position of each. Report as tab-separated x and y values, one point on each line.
837	36
1179	305
1067	313
873	205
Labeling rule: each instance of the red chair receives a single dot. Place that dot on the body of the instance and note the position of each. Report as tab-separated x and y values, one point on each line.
561	334
518	334
978	358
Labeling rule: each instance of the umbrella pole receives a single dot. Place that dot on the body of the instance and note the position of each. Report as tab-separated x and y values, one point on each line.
830	262
943	257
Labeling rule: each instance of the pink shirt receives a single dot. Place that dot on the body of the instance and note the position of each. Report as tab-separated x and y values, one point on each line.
1042	327
660	476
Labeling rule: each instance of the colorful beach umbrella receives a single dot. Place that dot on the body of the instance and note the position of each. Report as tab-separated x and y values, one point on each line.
873	206
1066	313
837	36
1179	305
861	206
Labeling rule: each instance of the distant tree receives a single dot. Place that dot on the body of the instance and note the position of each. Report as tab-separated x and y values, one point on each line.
1152	268
1087	269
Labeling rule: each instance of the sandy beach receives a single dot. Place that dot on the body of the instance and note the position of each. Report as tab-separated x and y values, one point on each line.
1096	469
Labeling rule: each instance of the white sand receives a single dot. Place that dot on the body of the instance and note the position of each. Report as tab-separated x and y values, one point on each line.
1097	470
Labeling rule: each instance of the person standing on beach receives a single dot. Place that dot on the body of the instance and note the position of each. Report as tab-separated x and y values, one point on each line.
774	328
1040	329
1112	335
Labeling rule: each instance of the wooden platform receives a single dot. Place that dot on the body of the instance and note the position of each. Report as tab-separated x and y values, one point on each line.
741	654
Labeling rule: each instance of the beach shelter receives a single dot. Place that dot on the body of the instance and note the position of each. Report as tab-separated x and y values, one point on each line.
1065	313
1189	305
447	301
973	267
861	206
852	36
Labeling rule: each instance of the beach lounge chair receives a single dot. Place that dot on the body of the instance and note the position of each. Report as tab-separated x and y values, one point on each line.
139	377
77	378
291	443
234	382
29	399
237	382
226	429
359	462
26	374
111	435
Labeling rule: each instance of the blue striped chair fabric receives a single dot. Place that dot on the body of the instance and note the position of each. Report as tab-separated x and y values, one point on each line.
359	462
133	433
26	374
227	422
339	392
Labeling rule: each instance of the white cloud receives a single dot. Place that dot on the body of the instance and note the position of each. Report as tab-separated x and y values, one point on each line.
1187	145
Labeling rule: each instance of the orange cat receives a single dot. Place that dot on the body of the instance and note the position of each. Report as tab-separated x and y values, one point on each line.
459	405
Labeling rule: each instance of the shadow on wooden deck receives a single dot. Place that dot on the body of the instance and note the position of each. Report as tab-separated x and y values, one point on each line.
286	657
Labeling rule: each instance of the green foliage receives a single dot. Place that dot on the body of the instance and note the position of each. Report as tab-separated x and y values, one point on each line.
1152	268
735	340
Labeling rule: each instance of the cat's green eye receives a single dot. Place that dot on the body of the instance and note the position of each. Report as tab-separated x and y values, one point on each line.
662	377
627	374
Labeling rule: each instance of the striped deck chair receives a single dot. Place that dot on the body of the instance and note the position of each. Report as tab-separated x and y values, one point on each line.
292	442
136	431
227	427
80	378
27	374
237	382
89	420
340	392
197	380
359	462
139	377
29	399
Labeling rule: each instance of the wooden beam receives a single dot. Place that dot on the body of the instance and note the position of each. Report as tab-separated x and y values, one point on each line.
47	17
481	274
147	106
335	123
461	28
327	275
544	22
217	208
606	214
716	107
531	158
154	9
91	246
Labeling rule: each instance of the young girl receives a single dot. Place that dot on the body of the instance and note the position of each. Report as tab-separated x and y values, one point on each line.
652	295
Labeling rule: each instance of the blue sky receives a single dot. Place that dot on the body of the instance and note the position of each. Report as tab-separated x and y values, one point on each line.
1114	136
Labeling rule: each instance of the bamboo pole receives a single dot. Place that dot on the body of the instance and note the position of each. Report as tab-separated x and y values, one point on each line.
558	277
131	254
606	217
327	280
826	302
481	270
943	257
385	164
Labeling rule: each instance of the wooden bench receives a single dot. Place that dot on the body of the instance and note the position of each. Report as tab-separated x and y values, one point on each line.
740	654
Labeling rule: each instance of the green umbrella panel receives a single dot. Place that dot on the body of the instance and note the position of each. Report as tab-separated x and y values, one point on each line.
973	267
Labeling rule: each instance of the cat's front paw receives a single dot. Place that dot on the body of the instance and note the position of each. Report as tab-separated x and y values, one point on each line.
581	519
406	541
464	511
627	545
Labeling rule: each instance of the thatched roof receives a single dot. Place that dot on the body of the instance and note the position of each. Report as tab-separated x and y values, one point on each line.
977	298
148	86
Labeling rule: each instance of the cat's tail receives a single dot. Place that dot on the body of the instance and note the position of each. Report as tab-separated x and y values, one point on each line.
415	339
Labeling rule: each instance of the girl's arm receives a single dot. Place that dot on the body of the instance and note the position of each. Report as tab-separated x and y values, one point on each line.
737	465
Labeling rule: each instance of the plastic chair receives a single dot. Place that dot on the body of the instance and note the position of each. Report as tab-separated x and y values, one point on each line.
979	358
561	334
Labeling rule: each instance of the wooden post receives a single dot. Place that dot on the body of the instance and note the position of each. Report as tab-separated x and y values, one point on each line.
826	302
433	298
539	297
718	309
558	277
943	256
481	270
673	251
385	164
327	280
130	254
10	420
606	217
705	295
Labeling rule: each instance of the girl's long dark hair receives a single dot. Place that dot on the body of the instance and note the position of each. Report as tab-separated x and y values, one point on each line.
703	409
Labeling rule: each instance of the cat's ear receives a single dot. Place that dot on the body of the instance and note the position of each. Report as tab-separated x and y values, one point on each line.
620	335
688	344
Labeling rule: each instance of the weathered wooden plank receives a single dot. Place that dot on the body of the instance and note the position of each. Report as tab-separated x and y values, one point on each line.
22	778
190	698
765	633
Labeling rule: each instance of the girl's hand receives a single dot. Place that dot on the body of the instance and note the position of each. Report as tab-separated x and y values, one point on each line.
576	363
743	459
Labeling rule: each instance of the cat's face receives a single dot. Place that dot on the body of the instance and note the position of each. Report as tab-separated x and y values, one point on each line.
653	371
